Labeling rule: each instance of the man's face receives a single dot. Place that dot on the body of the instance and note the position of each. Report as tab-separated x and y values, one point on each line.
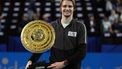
67	8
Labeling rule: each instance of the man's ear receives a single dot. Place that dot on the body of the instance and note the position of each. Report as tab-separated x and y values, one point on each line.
60	10
74	8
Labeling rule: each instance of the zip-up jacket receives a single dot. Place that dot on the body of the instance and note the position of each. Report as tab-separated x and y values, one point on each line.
70	44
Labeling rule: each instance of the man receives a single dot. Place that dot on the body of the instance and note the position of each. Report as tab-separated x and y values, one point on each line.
70	43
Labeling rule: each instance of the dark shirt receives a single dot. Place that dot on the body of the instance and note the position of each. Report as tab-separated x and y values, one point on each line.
70	44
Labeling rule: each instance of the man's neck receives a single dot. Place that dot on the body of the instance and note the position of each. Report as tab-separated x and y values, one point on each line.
66	20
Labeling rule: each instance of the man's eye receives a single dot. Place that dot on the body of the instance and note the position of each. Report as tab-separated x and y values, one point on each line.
67	6
70	6
64	6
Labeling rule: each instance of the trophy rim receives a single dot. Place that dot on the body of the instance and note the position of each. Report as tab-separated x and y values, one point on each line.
41	22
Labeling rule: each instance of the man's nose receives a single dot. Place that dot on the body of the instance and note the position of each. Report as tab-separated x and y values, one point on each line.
67	8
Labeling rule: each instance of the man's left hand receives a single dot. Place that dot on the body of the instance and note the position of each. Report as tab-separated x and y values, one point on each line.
57	65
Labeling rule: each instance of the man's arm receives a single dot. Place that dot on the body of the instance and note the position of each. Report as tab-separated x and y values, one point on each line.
78	56
81	45
35	57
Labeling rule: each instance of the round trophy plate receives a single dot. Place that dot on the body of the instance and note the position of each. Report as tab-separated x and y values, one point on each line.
37	36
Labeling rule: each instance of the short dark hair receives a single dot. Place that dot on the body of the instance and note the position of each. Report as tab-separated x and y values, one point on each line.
73	2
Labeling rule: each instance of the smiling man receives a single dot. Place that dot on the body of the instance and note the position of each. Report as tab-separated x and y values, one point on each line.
69	48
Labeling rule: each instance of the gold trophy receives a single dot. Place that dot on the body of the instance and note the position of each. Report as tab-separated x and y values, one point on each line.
38	36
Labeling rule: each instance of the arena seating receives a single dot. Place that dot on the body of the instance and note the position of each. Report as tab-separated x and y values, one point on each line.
14	9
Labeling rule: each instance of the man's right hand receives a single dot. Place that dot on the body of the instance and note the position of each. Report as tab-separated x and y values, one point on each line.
28	64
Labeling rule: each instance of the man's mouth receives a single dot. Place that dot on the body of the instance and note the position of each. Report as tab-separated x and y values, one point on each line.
67	12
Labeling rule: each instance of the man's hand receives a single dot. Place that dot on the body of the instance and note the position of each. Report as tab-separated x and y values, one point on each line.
27	65
57	65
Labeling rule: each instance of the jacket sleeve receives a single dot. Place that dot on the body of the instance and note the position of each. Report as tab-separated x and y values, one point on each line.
35	57
78	56
81	46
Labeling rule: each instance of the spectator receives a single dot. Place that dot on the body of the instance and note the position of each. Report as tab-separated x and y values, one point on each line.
23	22
1	17
93	26
113	16
46	17
31	9
106	25
117	26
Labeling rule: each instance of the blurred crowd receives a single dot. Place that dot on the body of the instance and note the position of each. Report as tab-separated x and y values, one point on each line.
111	22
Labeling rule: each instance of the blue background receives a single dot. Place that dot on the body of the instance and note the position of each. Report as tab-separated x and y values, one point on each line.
92	60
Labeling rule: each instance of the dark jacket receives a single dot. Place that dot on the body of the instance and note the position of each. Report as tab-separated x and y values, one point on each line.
70	44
